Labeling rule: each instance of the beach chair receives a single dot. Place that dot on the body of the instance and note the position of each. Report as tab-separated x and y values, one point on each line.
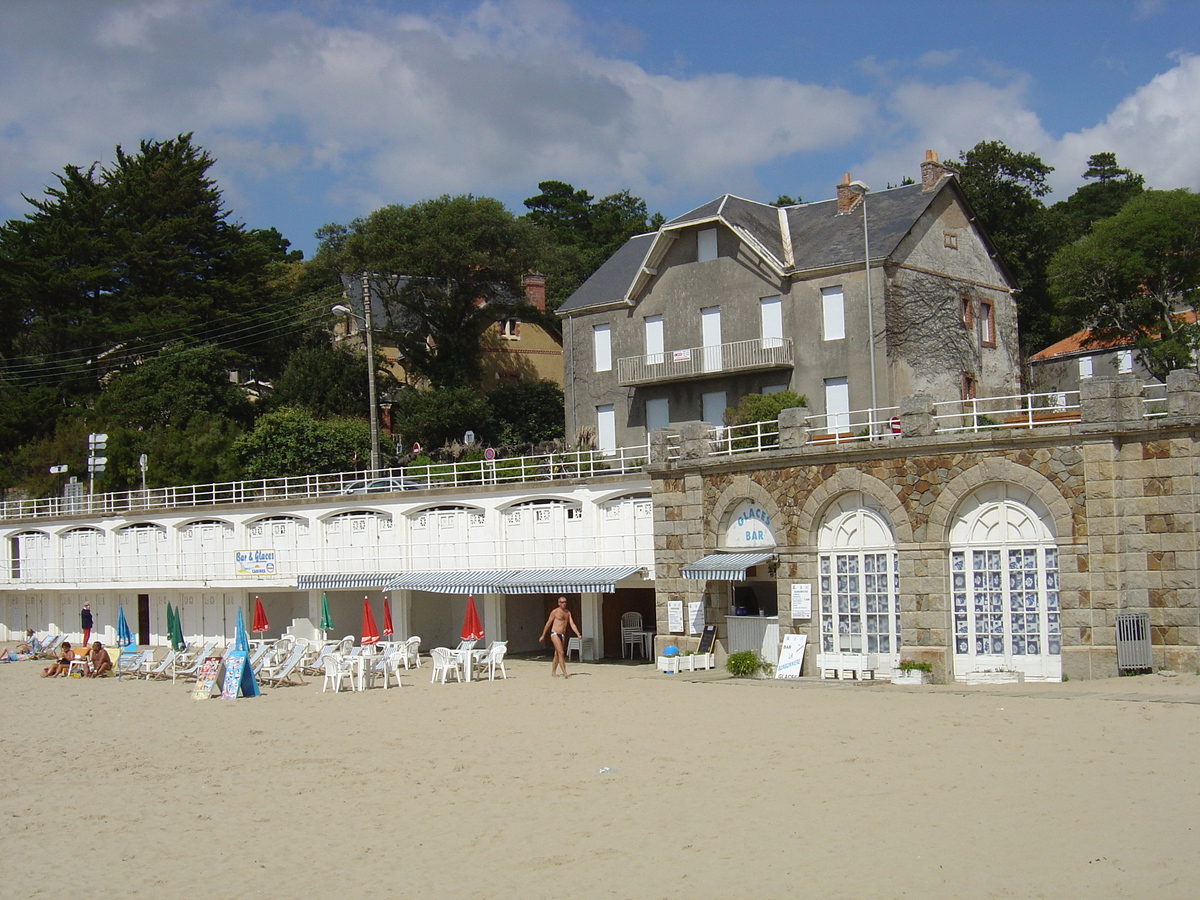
315	664
443	665
631	634
131	662
412	652
387	665
335	672
258	657
48	648
187	665
287	672
493	659
162	668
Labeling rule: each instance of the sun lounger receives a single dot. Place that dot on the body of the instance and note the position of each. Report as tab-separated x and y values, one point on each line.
131	662
162	669
188	665
286	673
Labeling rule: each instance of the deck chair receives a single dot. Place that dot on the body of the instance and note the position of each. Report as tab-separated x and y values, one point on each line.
188	665
443	665
48	649
314	664
287	672
132	662
258	657
494	659
162	669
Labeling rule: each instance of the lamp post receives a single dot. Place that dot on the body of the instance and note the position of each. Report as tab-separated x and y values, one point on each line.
369	327
861	189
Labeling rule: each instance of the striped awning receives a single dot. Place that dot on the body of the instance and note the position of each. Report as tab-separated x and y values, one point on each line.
577	580
336	582
725	566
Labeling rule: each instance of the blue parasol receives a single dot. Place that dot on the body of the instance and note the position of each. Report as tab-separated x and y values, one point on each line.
124	635
239	634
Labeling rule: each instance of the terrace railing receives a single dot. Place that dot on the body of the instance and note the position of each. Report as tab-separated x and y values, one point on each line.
701	362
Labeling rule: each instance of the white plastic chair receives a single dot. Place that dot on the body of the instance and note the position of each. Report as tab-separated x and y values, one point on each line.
412	652
631	628
334	670
388	665
443	664
494	659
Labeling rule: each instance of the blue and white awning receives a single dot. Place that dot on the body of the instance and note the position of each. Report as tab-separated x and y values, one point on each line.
725	566
576	580
336	582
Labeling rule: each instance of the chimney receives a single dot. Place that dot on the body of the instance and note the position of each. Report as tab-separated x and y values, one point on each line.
932	171
535	291
847	199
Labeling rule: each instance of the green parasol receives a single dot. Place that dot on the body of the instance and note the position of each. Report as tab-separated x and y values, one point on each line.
326	619
174	629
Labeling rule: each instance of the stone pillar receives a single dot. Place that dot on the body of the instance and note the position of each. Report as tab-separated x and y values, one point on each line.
660	446
1183	393
695	439
1110	398
916	416
793	433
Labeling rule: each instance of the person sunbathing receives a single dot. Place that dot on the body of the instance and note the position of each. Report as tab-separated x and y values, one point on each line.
30	645
99	660
63	666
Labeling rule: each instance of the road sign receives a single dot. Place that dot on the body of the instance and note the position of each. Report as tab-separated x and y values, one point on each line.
896	425
416	448
489	454
97	441
58	470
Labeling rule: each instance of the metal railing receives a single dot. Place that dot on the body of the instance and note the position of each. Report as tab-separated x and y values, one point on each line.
1154	400
698	362
1011	411
515	470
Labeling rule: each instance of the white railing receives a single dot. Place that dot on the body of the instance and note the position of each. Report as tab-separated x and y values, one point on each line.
1011	411
515	470
1154	400
749	438
693	362
854	426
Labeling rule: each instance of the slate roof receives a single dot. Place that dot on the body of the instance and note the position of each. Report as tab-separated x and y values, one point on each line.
820	238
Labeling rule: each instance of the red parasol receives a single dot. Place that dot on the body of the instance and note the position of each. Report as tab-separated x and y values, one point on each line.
260	617
370	634
387	618
472	629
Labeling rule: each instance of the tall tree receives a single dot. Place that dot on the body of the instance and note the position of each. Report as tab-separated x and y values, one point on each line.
1135	276
443	271
1005	188
1108	188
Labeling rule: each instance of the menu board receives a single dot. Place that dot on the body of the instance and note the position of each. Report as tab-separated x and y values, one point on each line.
695	616
791	656
675	616
233	676
210	671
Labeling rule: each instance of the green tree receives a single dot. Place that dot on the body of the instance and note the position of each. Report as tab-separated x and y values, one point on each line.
527	413
1135	276
437	417
1005	188
329	381
762	407
446	269
289	442
1108	189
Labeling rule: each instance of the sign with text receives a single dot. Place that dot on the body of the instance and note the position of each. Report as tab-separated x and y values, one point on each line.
801	601
254	562
695	616
675	616
210	672
233	676
791	656
749	527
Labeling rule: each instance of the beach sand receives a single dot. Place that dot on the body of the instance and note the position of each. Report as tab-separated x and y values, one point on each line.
620	782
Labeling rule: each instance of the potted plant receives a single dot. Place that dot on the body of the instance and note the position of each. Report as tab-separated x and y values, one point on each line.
913	671
747	664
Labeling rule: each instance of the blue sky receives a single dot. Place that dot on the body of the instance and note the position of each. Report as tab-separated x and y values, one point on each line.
320	111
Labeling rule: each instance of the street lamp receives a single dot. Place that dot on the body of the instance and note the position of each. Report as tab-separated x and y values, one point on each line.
861	189
369	327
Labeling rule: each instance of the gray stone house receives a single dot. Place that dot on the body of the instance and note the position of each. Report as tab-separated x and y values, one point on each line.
739	297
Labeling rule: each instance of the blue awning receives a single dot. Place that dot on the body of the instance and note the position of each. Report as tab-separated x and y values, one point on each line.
336	582
575	580
725	566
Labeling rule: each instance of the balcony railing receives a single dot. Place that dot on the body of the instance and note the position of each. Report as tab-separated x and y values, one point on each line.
701	362
1013	411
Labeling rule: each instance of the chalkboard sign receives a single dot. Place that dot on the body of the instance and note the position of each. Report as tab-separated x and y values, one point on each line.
210	671
233	676
708	639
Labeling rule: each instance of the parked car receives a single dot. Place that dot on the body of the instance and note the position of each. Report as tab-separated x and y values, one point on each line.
384	485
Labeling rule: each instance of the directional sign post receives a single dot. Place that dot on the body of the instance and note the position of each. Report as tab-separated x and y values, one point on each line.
95	463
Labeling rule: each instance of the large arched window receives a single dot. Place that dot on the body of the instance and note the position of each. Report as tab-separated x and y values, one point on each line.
859	582
360	541
142	552
1004	585
542	534
449	537
84	554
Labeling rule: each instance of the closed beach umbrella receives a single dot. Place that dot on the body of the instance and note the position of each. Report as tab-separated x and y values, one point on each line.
370	634
260	617
472	628
124	635
387	618
239	634
170	622
326	619
175	629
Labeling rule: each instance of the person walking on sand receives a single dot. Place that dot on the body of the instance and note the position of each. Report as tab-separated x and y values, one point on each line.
85	622
558	623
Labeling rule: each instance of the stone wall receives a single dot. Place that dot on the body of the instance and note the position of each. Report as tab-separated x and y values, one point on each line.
1121	491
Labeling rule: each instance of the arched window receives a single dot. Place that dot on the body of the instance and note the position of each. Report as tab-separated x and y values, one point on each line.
859	581
141	551
84	554
1004	585
448	537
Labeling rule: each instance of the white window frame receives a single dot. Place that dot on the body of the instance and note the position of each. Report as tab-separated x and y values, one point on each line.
706	245
837	404
658	413
770	317
606	428
655	349
1125	362
1085	367
833	313
602	347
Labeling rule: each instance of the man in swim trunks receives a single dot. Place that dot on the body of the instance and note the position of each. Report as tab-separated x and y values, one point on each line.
558	623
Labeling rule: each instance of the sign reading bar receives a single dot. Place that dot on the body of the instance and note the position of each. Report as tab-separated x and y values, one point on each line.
254	562
801	601
791	656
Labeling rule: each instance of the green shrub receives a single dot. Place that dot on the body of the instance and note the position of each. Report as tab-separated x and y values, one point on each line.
745	664
915	665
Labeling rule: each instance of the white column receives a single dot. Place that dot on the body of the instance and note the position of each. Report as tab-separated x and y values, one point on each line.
401	614
494	613
592	626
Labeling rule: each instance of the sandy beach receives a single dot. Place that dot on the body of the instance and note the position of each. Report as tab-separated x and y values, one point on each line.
621	782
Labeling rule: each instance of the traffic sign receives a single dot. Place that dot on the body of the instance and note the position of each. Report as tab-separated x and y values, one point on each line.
489	454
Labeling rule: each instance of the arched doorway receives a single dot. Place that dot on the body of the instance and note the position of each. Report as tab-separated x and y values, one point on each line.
1004	585
859	581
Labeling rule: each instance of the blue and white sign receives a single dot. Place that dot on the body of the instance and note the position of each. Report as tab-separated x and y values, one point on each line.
254	562
749	527
791	656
